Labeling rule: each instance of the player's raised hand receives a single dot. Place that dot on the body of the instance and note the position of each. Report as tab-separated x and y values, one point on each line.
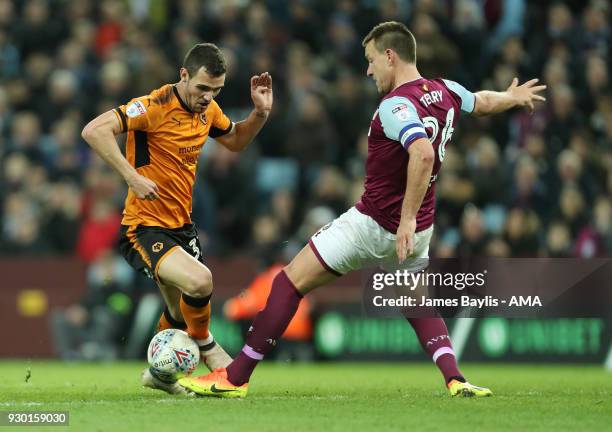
404	239
526	94
143	187
261	92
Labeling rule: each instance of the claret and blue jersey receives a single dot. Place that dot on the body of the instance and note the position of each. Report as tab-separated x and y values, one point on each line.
417	109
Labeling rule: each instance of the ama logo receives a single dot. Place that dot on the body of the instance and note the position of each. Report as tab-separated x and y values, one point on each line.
181	356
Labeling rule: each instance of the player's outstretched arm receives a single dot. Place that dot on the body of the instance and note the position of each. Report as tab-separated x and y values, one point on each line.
246	130
524	95
100	135
420	166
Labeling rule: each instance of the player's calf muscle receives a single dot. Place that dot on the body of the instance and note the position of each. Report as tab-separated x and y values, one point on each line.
172	296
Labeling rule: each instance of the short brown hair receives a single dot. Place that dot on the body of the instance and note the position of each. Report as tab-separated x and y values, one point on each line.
393	35
205	55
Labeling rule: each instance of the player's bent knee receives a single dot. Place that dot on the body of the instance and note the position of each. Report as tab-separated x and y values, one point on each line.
198	283
299	278
306	273
293	273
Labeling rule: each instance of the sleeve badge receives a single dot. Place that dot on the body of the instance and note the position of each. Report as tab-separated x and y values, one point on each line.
401	112
135	109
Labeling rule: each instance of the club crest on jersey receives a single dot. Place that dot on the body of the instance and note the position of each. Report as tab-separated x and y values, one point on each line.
203	118
401	112
157	246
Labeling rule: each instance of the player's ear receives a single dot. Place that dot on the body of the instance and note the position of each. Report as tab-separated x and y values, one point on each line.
184	73
389	54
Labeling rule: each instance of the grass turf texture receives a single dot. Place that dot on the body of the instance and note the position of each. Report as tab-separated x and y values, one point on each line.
312	397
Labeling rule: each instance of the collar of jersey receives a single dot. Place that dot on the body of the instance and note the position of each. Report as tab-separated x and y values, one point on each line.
178	96
412	82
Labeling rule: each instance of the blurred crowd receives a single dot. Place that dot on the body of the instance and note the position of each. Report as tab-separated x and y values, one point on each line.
511	185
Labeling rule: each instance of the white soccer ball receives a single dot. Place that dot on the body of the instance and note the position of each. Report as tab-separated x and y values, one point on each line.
172	354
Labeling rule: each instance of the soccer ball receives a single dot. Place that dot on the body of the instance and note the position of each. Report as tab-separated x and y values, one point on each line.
172	354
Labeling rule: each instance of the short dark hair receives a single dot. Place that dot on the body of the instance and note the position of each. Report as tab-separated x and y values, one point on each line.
205	55
393	35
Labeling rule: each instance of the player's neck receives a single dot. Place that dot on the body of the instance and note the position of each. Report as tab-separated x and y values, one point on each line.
180	87
404	74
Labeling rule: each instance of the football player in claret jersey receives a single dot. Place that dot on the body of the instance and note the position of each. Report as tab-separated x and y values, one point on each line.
166	131
392	224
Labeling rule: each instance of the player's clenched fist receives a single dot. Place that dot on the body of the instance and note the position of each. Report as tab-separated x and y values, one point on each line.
143	187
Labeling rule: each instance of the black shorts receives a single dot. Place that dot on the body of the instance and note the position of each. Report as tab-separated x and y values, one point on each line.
144	247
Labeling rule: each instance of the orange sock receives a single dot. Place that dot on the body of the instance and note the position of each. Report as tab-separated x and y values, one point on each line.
196	312
167	322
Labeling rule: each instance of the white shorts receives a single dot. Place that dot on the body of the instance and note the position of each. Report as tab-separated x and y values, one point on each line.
354	241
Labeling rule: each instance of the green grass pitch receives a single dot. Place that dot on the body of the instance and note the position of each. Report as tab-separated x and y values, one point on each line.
312	397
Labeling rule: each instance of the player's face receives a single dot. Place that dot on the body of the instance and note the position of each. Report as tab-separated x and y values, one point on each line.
378	68
201	89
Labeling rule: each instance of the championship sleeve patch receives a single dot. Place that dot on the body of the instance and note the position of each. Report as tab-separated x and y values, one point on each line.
401	112
135	109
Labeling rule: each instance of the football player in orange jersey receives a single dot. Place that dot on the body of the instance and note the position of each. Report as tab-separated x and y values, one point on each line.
166	132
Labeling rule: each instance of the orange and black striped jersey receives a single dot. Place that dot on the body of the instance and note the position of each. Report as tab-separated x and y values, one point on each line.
164	141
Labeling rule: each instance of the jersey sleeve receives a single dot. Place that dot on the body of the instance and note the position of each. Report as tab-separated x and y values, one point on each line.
468	100
221	124
401	121
139	114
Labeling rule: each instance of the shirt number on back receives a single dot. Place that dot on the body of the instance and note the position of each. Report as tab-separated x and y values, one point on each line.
447	131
